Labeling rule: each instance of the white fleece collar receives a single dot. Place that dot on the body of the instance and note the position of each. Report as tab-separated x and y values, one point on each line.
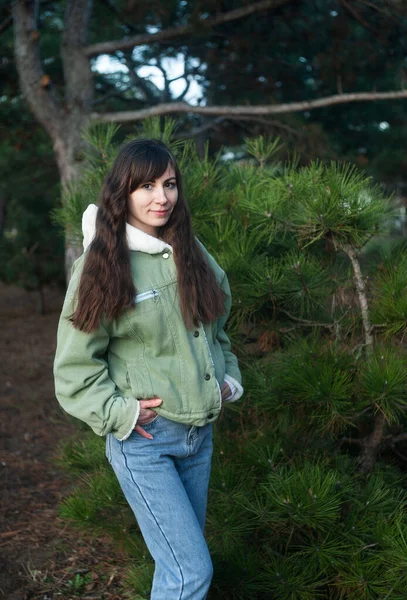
136	239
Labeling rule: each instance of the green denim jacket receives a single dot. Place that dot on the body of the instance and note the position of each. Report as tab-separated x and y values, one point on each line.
145	353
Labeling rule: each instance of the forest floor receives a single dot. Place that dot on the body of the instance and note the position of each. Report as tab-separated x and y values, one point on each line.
41	557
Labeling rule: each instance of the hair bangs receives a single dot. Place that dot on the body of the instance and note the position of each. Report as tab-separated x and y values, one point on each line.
149	164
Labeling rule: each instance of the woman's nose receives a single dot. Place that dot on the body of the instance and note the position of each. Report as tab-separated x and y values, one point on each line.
160	195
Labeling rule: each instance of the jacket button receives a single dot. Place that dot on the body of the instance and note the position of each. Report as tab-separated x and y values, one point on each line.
196	333
210	416
166	255
207	376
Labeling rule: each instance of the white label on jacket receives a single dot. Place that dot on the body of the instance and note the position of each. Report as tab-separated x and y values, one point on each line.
146	296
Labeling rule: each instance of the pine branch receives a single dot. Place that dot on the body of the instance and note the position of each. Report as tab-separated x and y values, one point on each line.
382	11
5	24
182	30
399	454
113	9
198	130
402	437
148	88
270	122
392	440
306	322
358	17
351	441
371	445
242	111
362	295
185	91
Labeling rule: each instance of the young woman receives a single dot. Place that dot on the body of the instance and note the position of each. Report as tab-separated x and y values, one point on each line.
142	357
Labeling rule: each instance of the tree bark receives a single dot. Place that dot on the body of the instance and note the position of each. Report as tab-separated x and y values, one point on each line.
362	297
63	118
36	87
78	99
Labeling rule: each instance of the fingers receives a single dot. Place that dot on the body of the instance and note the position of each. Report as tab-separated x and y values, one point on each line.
146	415
143	432
150	402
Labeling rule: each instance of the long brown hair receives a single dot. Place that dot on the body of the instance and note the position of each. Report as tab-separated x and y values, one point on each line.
106	286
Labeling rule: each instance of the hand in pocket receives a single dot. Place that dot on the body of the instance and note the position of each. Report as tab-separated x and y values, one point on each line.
146	415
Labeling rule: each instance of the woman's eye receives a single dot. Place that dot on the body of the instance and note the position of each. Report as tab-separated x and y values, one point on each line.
149	186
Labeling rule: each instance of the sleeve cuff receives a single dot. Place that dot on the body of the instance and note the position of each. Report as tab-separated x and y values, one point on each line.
128	434
235	388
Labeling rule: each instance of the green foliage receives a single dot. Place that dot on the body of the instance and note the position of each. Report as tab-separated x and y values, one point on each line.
31	250
139	577
159	129
95	502
77	584
84	453
336	202
303	283
389	306
383	383
306	497
262	148
79	508
310	387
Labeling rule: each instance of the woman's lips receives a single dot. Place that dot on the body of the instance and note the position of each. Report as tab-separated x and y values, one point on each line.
160	213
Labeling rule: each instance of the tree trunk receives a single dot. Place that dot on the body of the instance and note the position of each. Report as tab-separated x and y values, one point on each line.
63	119
68	153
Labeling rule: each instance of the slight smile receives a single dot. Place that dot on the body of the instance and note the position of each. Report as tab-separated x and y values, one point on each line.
160	213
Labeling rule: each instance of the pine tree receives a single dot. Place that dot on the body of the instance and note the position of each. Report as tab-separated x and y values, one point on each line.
31	250
307	495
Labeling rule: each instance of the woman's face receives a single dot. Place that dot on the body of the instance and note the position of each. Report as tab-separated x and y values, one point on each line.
151	204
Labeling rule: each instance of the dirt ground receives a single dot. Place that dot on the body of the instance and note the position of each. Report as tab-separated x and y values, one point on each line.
41	557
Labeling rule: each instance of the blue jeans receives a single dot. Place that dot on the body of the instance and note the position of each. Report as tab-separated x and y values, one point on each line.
165	481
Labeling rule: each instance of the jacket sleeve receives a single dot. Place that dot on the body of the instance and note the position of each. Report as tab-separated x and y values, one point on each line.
82	383
233	376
